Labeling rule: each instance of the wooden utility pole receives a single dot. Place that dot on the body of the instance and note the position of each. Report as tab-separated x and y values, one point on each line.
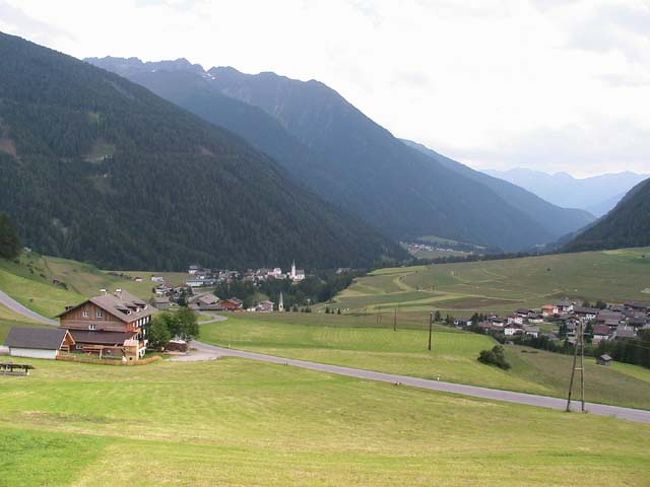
430	329
579	349
395	320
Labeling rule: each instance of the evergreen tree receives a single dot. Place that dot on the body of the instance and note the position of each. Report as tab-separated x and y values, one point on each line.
10	245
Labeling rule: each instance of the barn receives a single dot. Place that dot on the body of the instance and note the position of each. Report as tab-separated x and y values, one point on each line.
43	343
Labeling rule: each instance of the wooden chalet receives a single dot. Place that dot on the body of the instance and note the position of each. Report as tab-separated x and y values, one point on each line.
111	324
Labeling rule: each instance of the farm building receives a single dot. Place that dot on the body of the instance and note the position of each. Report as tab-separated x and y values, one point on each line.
43	343
109	321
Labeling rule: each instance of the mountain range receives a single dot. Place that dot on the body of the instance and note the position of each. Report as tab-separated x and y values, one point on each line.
328	145
597	194
98	168
627	225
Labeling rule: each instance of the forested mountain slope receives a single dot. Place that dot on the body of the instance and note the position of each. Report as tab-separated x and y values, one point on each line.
563	220
98	168
627	225
331	146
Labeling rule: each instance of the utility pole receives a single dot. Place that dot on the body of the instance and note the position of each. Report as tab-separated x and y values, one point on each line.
579	349
395	320
430	328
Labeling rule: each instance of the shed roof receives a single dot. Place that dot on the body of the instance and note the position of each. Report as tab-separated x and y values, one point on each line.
40	338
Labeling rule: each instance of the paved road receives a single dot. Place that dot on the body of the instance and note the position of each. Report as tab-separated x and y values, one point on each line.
14	305
212	351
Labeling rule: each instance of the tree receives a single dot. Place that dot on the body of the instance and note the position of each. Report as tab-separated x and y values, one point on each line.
159	334
437	316
9	241
187	326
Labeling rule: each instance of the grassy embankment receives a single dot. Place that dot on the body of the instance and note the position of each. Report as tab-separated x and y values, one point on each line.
233	422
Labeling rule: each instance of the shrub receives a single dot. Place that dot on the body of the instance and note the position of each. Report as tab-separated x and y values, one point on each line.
496	356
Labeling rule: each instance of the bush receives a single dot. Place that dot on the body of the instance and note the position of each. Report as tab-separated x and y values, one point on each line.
496	356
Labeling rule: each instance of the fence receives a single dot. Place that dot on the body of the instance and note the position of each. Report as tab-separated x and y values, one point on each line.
86	359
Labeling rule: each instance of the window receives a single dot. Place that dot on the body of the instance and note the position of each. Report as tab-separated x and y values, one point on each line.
92	327
84	313
99	313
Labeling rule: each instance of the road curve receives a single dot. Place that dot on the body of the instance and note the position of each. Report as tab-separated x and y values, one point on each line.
638	415
15	306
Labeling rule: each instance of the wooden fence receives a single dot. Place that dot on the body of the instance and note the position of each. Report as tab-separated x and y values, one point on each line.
86	359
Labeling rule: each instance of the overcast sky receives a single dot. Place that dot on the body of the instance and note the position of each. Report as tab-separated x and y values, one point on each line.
552	85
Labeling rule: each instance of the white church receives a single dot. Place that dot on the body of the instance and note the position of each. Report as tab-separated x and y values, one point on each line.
296	275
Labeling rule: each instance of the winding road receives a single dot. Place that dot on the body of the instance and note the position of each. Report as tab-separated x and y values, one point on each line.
16	307
204	351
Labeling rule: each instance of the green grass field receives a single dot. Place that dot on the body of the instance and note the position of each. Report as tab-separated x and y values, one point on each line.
30	282
340	340
503	286
239	423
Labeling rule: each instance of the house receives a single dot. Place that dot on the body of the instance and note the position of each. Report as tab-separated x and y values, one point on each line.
531	331
161	303
232	304
264	307
512	329
45	343
586	312
609	317
624	331
114	321
604	360
549	310
462	322
205	302
601	332
564	306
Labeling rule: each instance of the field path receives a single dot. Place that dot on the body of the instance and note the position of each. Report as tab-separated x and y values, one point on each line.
207	352
15	306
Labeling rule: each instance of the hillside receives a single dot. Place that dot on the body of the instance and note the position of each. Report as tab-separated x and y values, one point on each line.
547	215
627	225
326	143
106	172
596	194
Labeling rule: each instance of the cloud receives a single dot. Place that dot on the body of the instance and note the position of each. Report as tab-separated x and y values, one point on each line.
505	82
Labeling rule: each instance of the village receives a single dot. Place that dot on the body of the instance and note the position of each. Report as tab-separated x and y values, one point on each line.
561	320
196	291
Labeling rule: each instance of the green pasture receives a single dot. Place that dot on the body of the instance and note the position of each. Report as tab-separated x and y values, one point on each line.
503	285
239	423
355	342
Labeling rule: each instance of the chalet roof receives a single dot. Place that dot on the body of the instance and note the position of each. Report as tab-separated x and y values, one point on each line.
602	330
585	310
606	358
101	337
41	338
625	332
121	304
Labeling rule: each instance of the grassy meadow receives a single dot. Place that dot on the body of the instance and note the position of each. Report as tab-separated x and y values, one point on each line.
503	285
341	340
234	422
30	282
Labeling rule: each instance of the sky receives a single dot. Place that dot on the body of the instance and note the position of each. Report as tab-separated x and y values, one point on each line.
552	85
